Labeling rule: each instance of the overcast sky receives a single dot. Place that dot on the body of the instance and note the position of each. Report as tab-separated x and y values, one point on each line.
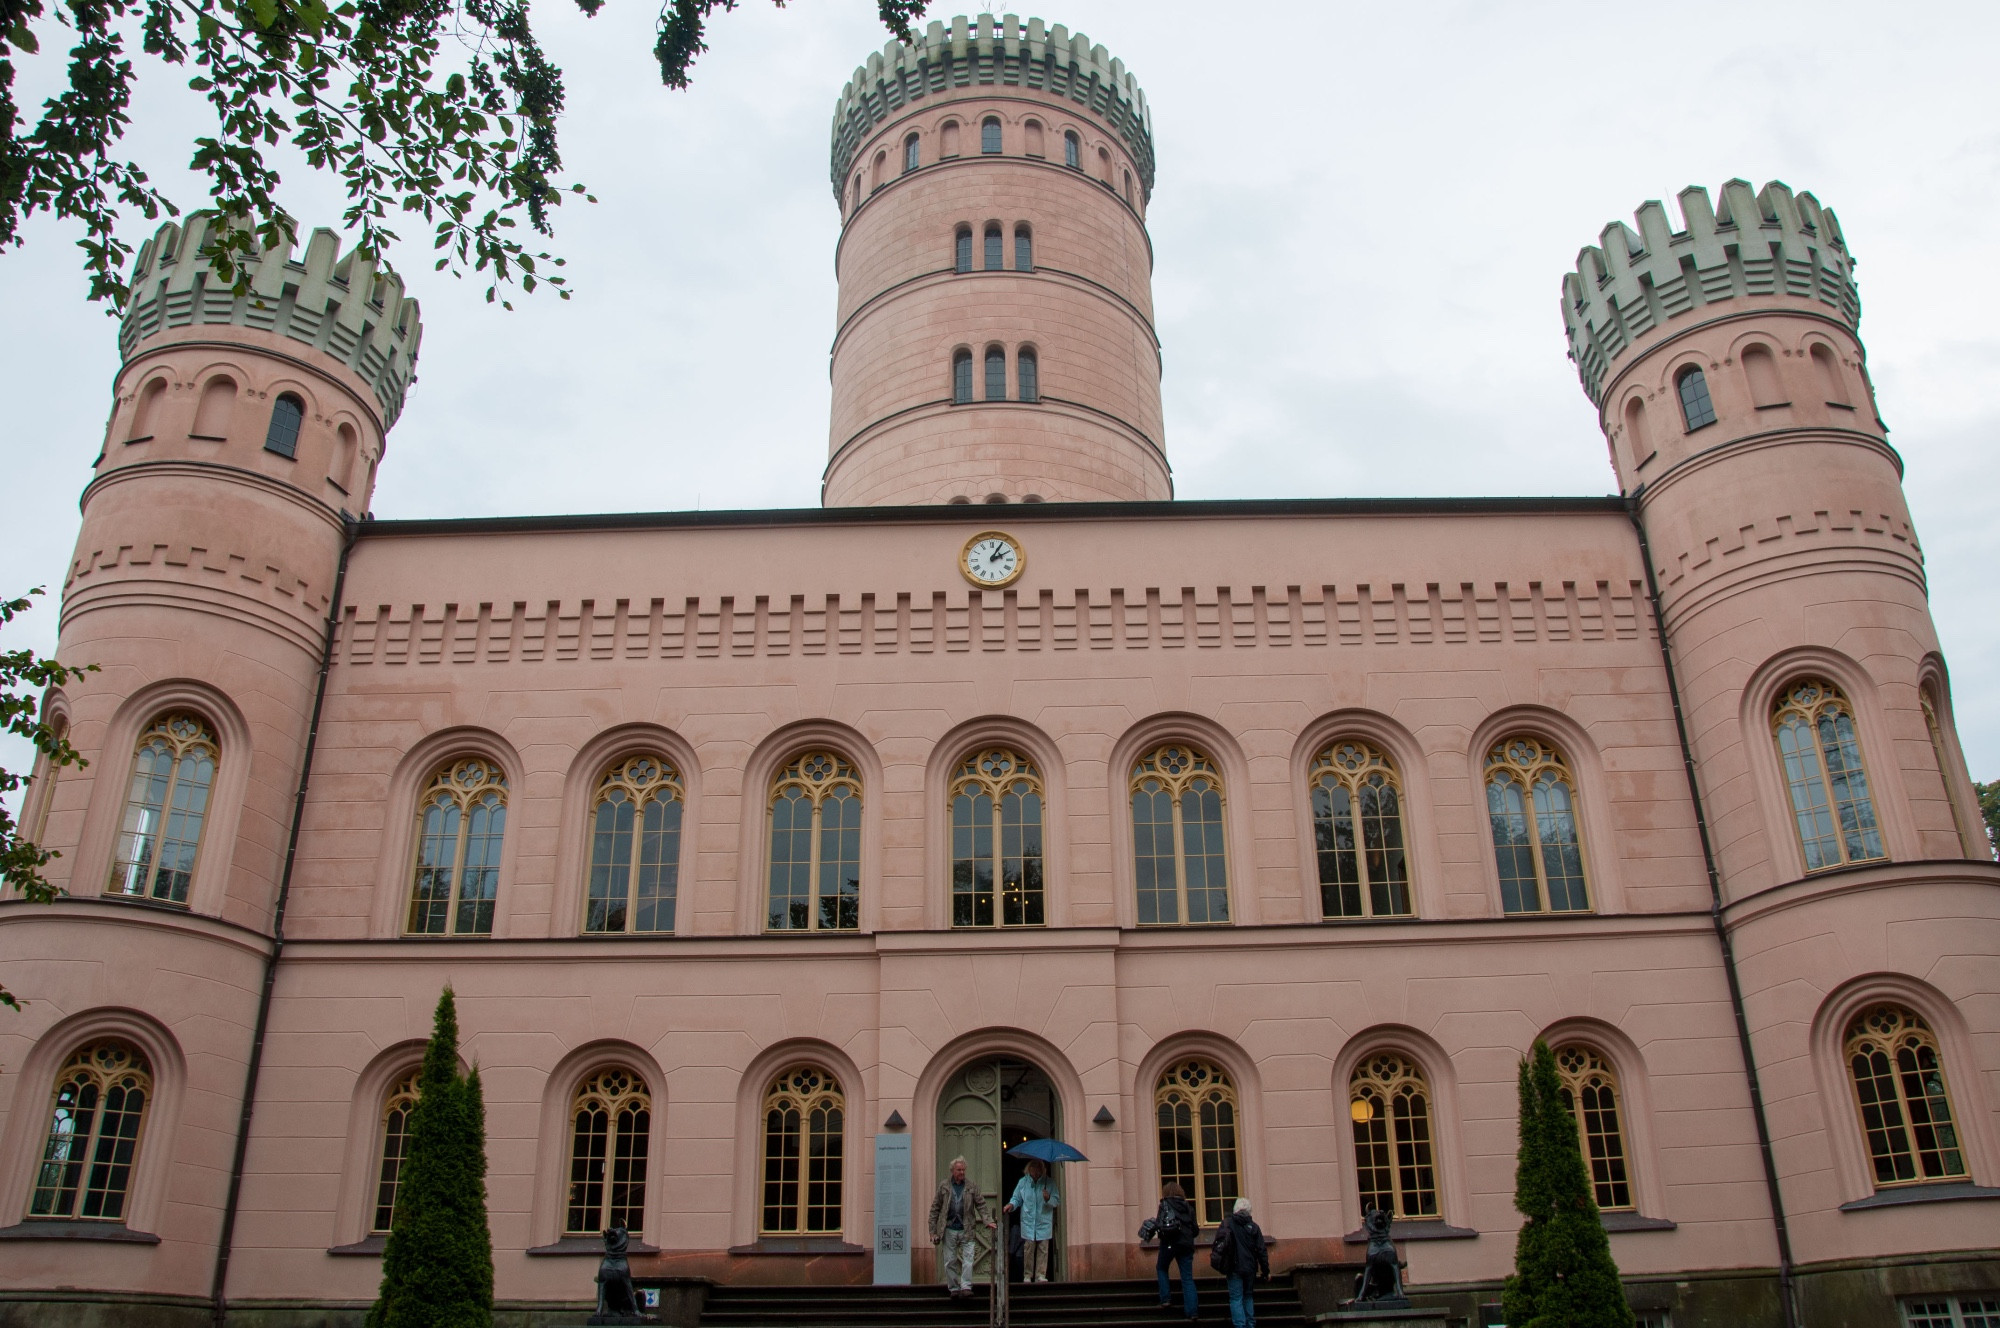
1362	216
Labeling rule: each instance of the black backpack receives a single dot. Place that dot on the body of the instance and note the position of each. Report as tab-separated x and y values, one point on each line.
1169	1228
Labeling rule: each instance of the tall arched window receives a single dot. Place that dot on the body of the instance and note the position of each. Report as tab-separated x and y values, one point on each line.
1637	444
1033	130
815	846
1104	167
996	373
961	376
912	153
1196	1107
989	134
1899	1087
396	1112
1390	1105
145	418
996	841
993	248
1072	150
173	772
948	136
1833	385
1178	854
218	404
461	824
961	245
1128	188
1938	754
1590	1091
1760	370
1357	803
1028	368
1024	248
611	1122
635	847
1814	728
346	446
1696	408
94	1130
877	170
804	1151
288	412
1531	803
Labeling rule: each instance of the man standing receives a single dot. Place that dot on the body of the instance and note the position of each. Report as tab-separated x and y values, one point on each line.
958	1210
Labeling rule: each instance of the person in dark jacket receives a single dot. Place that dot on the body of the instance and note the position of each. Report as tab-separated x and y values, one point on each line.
1241	1255
1176	1227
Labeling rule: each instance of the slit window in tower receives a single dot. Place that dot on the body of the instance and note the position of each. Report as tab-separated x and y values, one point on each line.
1029	372
962	258
911	154
1696	406
996	374
961	377
1024	249
287	414
1072	150
993	263
989	135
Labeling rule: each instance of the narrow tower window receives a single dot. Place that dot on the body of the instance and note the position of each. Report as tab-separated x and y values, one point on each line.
1761	369
1104	168
993	247
949	135
989	135
1072	150
1636	441
996	374
962	249
1024	249
218	402
912	147
1814	728
876	171
172	773
1944	766
1034	135
1831	384
287	414
961	376
1028	369
1128	188
143	418
1696	407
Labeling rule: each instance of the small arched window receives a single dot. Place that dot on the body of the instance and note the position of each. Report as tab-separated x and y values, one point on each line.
1696	407
805	1135
145	418
815	879
1899	1086
1638	445
611	1123
1357	804
1072	150
961	246
961	376
1832	383
1197	1112
288	412
461	826
396	1113
996	373
218	403
1531	804
989	135
635	848
1831	806
912	153
173	772
1390	1105
95	1128
1178	854
994	250
1590	1091
948	146
1945	766
857	189
1760	369
1104	167
346	444
1024	248
877	170
996	841
1033	130
1028	368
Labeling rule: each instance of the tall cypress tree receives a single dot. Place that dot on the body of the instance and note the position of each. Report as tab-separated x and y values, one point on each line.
437	1270
1564	1276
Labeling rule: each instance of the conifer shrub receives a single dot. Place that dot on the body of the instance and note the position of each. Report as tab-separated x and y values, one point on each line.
1564	1276
437	1269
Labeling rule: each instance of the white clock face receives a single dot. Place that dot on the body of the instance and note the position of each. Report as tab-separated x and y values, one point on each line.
992	559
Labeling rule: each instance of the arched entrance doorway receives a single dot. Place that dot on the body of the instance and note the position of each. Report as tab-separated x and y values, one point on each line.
990	1105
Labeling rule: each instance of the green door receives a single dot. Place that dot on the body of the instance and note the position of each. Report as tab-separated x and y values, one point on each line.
987	1107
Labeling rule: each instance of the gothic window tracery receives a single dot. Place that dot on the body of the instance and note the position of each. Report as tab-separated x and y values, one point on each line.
396	1112
996	841
461	827
1357	805
1394	1167
1813	725
1537	844
1590	1090
815	823
1897	1070
1178	851
166	804
95	1128
803	1154
611	1121
635	848
1195	1107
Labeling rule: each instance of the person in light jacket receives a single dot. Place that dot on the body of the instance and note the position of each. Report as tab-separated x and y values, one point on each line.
958	1210
1035	1200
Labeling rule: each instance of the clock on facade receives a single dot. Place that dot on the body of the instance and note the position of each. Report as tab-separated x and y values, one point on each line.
992	558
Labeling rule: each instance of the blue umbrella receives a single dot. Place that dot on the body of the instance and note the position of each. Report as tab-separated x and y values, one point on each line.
1048	1150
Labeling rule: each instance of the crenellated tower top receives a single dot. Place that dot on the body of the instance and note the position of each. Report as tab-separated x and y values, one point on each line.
996	52
346	306
1768	243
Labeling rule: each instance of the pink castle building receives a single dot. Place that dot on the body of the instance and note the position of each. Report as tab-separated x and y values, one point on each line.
1243	844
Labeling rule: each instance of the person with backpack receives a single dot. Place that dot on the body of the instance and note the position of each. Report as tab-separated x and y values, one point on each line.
1174	1226
1240	1255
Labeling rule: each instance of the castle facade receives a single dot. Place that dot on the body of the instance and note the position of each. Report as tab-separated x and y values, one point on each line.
1244	844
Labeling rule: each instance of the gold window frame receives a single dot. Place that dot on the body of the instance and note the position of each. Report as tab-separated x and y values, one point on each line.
994	773
86	1167
1528	762
1354	764
147	826
818	775
1199	1126
1809	706
805	1105
1178	768
394	1151
1393	1111
610	1157
1890	1047
1596	1102
467	784
645	780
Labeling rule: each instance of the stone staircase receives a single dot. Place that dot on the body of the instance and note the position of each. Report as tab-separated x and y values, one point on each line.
1125	1304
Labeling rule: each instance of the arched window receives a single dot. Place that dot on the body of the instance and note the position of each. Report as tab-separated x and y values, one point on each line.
1024	248
989	134
1028	368
1636	442
1177	841
1104	167
94	1129
912	153
1696	408
461	823
395	1148
1034	135
1531	803
961	376
996	841
857	189
1390	1105
949	135
1938	754
1357	804
815	846
635	847
346	444
877	170
804	1147
1832	383
1590	1091
288	412
996	373
994	252
1814	727
1072	150
144	419
218	403
1196	1107
611	1122
1900	1089
1760	370
962	249
165	805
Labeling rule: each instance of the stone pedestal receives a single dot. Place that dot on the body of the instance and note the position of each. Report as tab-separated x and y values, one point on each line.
1358	1317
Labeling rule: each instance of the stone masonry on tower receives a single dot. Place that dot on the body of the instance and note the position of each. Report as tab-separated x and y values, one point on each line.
1244	845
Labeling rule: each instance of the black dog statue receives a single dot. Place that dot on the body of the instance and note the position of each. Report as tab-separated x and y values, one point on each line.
617	1302
1380	1285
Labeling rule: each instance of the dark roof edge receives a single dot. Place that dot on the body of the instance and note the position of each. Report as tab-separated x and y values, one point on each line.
1010	514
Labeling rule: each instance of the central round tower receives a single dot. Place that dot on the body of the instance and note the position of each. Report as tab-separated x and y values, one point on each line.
995	339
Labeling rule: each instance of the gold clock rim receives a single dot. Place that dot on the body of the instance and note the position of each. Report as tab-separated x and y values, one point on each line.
1020	560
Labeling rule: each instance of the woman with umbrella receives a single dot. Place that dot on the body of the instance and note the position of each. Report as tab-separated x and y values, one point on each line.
1035	1199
